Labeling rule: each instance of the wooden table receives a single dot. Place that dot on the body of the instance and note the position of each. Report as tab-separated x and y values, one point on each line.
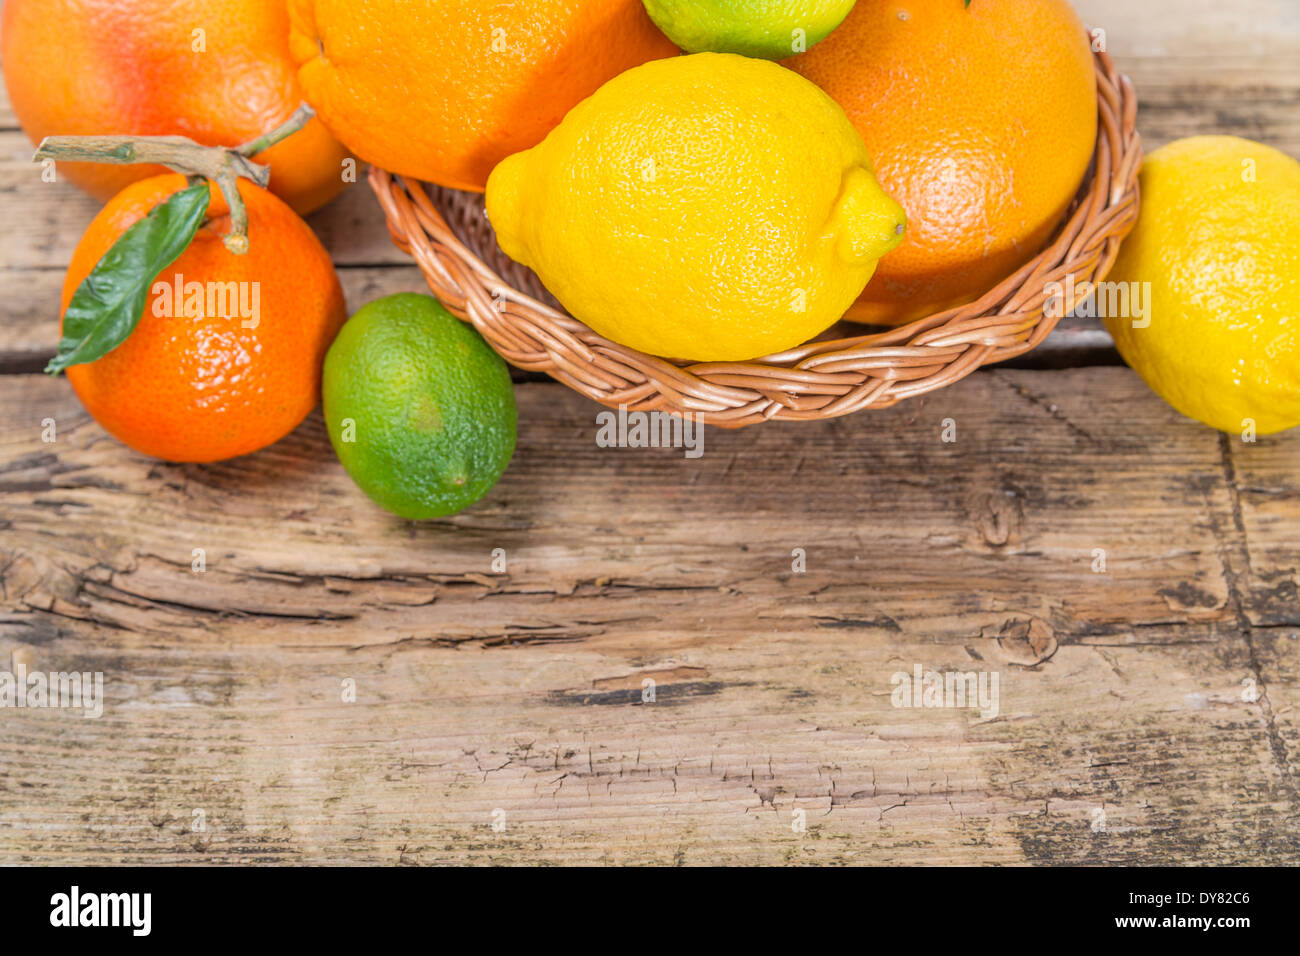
1130	576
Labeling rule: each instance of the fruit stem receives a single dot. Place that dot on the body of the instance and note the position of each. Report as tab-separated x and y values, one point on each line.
300	118
221	164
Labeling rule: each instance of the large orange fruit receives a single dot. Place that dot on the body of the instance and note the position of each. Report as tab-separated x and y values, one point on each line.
443	90
208	386
981	121
217	71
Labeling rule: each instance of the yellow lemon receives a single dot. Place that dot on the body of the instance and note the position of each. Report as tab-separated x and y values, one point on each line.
707	207
1218	242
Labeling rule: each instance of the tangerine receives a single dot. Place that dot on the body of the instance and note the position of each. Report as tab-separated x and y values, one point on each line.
197	383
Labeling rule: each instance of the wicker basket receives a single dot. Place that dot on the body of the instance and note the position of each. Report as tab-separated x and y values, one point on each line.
451	240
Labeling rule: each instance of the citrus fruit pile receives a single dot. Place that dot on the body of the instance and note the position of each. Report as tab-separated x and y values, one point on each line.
702	180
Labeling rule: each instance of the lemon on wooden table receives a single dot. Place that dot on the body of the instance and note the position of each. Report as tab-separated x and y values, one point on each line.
765	28
707	207
1219	242
421	412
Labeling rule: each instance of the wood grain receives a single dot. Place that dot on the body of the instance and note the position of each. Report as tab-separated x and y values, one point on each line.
522	691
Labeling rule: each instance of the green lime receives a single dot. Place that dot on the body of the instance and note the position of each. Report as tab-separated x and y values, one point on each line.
759	28
419	409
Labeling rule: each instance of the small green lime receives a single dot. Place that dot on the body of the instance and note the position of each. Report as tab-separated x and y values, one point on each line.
771	29
419	409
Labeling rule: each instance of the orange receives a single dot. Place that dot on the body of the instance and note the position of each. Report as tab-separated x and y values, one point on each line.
217	71
443	90
204	387
981	121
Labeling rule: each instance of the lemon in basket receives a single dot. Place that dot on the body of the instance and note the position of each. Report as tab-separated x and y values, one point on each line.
1217	247
707	207
767	28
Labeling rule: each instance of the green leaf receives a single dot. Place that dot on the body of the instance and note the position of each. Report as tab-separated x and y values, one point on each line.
108	304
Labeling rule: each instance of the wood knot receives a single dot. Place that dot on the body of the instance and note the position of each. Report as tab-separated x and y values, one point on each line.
998	516
1026	641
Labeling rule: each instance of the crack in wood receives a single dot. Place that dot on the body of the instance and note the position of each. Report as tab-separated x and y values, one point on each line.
1239	547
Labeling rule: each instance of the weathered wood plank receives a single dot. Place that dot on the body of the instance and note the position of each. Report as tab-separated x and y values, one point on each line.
1018	451
1267	516
1130	742
1204	29
1266	522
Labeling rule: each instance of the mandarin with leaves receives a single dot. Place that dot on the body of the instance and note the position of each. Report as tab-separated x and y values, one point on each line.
182	349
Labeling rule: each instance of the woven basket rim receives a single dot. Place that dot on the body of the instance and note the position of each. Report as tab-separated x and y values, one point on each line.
818	380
